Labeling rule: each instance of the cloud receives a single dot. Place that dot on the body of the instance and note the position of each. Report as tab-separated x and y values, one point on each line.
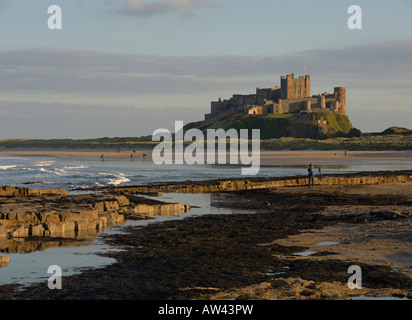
76	121
148	9
378	77
379	65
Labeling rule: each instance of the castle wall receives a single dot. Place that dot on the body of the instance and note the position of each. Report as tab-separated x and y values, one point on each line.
216	107
234	104
241	100
297	104
257	110
272	94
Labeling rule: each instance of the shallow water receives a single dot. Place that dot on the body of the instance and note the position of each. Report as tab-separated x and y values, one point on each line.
305	253
377	298
327	243
27	268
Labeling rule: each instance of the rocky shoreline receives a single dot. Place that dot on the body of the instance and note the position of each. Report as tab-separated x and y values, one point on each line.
30	218
245	256
208	186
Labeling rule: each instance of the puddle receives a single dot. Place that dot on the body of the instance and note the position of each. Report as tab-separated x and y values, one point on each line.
272	274
202	204
28	268
327	243
376	298
305	253
84	192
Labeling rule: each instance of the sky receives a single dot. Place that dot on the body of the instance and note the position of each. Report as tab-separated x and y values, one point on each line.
123	68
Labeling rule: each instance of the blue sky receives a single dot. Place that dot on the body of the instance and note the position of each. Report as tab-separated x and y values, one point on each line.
129	67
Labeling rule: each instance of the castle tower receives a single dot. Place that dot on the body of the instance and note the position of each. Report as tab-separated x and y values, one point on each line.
292	87
322	101
307	106
307	86
340	96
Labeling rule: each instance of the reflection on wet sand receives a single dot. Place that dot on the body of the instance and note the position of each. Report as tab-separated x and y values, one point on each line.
32	244
4	261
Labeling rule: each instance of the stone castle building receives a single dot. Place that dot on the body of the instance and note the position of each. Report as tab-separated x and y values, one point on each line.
292	96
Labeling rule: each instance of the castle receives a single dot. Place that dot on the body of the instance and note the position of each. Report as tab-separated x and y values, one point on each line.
292	96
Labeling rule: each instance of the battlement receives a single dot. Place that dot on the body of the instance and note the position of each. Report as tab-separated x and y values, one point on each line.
292	87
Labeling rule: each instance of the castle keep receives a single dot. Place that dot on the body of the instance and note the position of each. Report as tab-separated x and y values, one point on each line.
292	96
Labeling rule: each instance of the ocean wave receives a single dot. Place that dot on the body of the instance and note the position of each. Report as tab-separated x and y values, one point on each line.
14	158
44	163
7	167
53	171
65	171
118	179
75	167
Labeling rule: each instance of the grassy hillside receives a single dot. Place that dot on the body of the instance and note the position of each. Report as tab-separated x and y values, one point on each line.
310	125
269	127
100	143
364	143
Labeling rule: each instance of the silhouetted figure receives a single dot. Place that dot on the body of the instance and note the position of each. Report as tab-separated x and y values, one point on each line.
320	173
310	175
102	157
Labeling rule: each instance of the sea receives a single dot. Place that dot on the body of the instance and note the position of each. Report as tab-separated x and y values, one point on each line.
75	174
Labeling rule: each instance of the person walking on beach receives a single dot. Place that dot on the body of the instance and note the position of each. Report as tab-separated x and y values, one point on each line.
320	173
310	174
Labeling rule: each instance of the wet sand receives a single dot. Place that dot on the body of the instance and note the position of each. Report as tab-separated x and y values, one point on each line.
267	157
89	154
254	256
321	157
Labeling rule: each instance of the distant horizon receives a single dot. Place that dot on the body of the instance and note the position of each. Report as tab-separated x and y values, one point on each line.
148	135
117	69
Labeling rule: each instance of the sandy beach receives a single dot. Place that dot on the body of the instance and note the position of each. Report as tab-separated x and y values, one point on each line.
89	154
267	157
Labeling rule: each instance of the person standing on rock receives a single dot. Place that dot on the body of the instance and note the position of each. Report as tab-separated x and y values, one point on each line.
311	174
